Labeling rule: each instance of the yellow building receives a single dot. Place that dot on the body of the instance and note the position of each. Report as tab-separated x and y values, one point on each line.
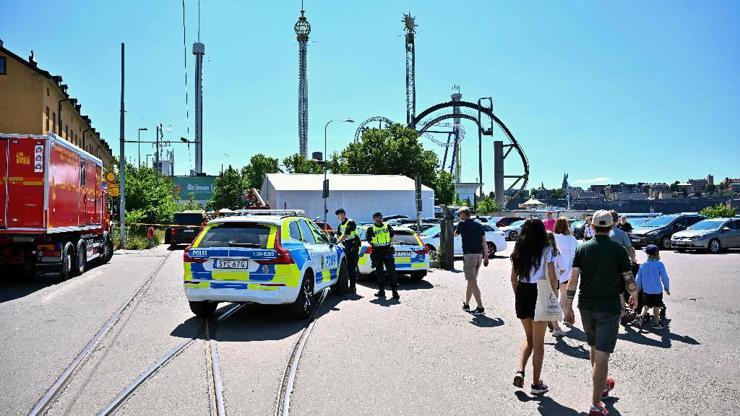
32	101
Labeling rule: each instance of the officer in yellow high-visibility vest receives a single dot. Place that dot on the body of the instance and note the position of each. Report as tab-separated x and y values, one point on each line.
380	237
350	240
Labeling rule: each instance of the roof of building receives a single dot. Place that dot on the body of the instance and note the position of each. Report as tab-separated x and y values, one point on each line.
311	182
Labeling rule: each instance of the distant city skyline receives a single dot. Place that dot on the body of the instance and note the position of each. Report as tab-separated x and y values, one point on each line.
609	93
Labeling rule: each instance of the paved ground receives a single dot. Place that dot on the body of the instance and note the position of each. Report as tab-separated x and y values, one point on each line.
421	355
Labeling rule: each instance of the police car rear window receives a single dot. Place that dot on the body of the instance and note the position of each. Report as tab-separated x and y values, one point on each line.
404	237
236	234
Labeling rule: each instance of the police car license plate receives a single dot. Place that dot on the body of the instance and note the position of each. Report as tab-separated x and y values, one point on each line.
403	254
189	230
232	264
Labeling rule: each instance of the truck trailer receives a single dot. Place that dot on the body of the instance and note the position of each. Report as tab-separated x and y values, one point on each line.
54	218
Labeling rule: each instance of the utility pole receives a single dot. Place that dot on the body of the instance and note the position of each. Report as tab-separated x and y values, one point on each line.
156	149
122	198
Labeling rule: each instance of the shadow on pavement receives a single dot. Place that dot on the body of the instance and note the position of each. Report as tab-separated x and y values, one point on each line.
486	322
16	289
666	337
547	406
404	283
575	351
386	302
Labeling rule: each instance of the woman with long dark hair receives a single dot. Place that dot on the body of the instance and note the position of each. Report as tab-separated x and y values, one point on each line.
531	257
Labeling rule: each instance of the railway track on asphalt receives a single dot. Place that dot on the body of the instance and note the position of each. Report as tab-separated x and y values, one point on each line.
287	383
42	405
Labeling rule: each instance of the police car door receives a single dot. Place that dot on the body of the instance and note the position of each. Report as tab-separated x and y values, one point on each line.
330	258
314	251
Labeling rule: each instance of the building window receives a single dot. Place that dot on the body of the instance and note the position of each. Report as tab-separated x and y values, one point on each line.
2	66
47	119
54	121
66	133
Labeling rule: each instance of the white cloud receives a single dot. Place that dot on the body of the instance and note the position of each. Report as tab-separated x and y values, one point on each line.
592	181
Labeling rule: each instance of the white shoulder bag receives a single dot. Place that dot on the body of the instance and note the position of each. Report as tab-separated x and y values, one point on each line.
548	305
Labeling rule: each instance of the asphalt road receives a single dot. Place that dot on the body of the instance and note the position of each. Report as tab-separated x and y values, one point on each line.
419	355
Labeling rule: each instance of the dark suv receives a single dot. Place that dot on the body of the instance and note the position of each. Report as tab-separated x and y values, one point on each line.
660	229
188	225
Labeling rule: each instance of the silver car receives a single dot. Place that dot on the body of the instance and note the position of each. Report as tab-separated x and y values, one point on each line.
714	234
512	231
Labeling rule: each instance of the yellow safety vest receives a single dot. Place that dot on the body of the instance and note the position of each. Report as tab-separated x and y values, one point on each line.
381	236
343	231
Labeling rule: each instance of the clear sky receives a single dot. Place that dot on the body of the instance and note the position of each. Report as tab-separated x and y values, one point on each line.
606	91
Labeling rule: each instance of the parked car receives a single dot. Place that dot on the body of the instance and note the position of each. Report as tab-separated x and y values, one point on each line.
410	254
501	222
713	234
265	259
660	229
187	225
494	237
512	231
636	219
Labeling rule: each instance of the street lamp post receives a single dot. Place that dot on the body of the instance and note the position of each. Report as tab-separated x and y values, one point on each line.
325	188
138	138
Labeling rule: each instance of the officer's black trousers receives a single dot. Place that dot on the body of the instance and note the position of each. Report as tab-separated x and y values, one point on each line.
384	262
351	253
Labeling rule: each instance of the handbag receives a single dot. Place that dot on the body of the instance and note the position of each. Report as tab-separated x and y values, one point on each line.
548	305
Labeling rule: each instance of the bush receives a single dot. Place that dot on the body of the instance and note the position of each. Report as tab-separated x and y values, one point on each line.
487	205
718	211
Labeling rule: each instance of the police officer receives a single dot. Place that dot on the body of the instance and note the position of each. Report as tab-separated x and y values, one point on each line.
350	240
380	235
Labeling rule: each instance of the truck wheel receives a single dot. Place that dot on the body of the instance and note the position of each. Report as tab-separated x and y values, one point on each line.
65	270
107	251
418	275
81	258
303	305
203	309
342	284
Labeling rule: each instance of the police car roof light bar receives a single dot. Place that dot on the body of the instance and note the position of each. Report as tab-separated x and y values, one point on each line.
281	212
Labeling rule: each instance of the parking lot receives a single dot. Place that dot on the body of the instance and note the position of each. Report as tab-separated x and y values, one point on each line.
419	355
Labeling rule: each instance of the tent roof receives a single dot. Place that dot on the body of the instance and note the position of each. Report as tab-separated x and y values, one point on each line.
533	201
310	182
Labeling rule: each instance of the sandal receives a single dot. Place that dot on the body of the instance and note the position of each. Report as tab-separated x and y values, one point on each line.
519	379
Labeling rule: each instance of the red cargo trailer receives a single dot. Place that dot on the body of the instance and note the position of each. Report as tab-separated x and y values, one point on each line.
53	214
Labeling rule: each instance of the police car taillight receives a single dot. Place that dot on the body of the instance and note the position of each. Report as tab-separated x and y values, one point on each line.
187	259
369	250
282	254
425	250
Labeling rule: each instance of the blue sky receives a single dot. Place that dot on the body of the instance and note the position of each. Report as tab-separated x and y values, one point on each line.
606	91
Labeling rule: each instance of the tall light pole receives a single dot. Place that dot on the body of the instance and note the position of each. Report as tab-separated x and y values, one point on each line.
325	193
138	138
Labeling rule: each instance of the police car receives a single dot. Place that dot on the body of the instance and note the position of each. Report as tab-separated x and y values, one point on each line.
262	256
410	254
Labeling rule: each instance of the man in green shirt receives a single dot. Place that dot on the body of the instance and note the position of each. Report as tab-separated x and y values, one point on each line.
602	265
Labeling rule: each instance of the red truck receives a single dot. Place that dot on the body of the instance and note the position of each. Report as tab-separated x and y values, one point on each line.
53	215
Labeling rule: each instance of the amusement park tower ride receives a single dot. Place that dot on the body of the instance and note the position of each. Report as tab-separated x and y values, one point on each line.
302	29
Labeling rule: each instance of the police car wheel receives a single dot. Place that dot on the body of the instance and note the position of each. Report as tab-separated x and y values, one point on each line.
203	309
303	304
342	284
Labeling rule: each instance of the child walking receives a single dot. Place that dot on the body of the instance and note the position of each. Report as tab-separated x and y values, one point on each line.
652	280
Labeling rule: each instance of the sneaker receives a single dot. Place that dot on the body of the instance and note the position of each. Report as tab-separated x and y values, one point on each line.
658	326
466	307
638	321
395	294
558	333
380	294
539	389
519	379
479	311
549	326
609	387
598	411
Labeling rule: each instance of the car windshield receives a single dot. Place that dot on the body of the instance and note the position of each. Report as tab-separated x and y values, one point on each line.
188	218
236	234
405	237
577	223
430	232
661	221
707	225
637	221
516	224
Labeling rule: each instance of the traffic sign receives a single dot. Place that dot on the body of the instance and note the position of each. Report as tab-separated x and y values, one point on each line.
110	177
114	190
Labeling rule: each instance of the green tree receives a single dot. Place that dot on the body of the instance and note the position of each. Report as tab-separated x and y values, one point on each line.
392	151
718	211
444	188
227	190
190	204
298	164
254	172
487	205
557	193
674	187
149	198
710	189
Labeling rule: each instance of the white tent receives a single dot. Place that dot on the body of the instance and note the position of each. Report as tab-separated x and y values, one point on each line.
533	203
359	195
